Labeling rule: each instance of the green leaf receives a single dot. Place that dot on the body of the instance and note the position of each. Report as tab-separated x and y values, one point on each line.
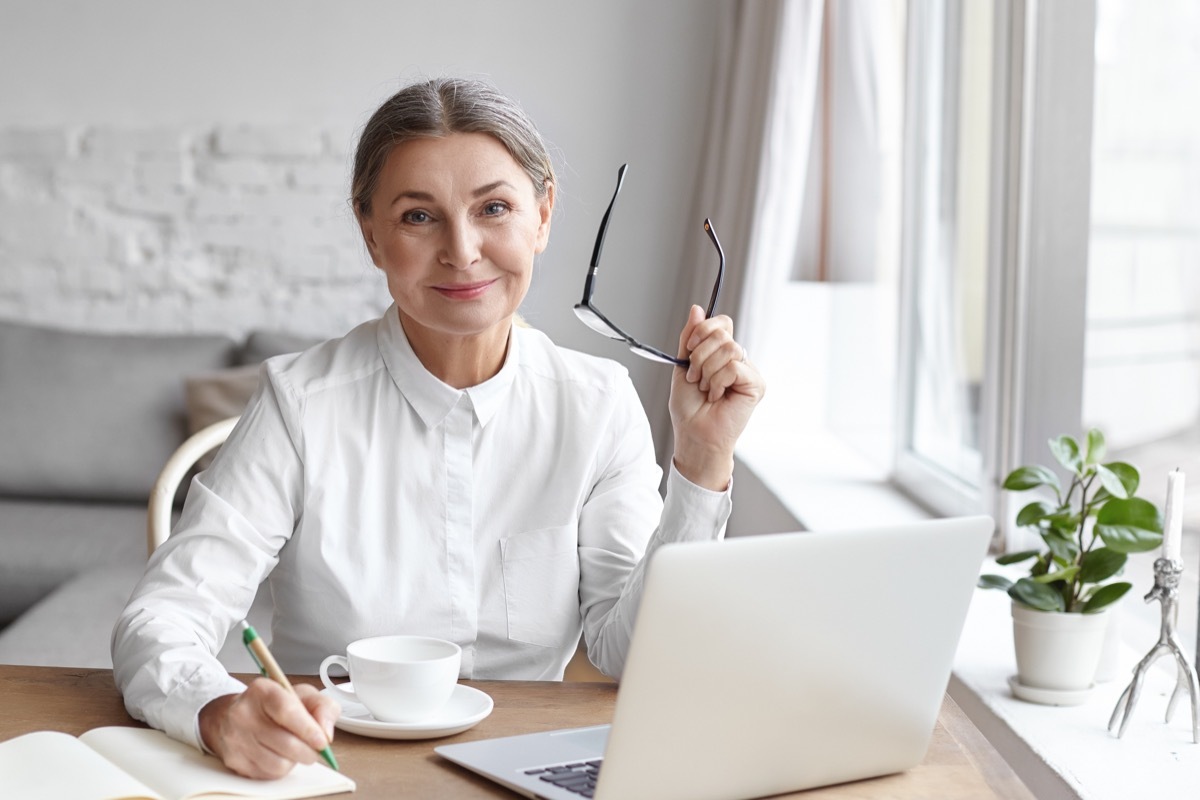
1033	513
1101	564
1111	482
1062	575
1013	558
1063	548
1066	523
1036	595
1024	478
1127	474
1133	525
1066	452
994	582
1105	596
1095	447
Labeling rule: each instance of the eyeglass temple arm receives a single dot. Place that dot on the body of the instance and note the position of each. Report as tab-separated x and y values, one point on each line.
716	293
588	284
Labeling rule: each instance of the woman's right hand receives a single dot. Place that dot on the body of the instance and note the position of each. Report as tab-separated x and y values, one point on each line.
266	730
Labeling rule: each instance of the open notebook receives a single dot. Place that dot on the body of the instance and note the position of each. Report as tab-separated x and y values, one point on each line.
124	763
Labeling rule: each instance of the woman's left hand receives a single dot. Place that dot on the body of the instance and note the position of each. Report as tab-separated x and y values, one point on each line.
711	401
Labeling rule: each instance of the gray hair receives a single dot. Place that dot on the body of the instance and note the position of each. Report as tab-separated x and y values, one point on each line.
440	107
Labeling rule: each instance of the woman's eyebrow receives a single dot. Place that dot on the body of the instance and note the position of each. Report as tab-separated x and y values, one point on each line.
491	187
412	194
426	197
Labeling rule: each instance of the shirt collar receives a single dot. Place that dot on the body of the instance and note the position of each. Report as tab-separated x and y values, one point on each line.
430	397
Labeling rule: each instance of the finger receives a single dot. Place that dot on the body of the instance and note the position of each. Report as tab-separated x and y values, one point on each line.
290	714
712	355
705	339
323	708
263	762
722	379
695	317
708	327
254	761
279	745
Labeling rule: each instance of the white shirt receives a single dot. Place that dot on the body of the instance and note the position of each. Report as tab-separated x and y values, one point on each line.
506	517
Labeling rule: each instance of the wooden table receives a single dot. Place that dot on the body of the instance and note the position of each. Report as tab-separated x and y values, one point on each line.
960	763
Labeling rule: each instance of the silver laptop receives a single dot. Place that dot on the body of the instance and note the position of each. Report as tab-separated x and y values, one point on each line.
767	664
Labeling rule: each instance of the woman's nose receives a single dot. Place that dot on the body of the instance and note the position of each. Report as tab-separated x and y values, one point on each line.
460	245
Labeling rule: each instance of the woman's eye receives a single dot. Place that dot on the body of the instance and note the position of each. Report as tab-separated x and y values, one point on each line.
494	208
416	216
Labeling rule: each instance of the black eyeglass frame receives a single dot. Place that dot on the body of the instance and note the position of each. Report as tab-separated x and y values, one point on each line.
594	319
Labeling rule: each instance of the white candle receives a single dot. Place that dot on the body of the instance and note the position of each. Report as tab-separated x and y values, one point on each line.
1173	524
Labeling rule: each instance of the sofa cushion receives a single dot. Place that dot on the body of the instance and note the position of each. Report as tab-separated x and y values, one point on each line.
261	345
213	396
72	626
94	416
43	544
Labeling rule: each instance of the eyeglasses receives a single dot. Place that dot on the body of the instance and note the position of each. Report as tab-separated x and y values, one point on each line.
591	316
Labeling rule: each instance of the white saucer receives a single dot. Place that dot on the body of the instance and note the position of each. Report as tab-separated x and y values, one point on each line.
1049	697
465	708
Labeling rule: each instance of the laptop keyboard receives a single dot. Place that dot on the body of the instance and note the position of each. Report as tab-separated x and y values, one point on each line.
578	776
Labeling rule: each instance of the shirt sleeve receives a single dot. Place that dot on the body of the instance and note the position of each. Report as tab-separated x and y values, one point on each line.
203	579
617	533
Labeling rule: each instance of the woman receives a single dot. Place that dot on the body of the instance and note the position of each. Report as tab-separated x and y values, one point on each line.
438	470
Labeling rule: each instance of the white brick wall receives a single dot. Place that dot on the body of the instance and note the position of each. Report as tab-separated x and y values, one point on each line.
170	229
1142	371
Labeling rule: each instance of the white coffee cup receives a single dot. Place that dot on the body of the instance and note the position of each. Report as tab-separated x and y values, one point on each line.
398	678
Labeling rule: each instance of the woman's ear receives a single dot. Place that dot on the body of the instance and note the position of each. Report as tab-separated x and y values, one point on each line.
546	210
368	234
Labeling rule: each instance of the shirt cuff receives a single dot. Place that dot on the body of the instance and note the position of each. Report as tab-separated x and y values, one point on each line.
692	513
181	711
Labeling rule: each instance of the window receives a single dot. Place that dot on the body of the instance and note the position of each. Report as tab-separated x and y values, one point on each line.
1023	289
996	199
1052	157
946	200
1141	369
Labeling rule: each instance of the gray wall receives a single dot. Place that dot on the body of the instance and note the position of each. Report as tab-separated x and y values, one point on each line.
156	158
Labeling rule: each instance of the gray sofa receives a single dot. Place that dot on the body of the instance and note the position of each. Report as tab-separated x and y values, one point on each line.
87	421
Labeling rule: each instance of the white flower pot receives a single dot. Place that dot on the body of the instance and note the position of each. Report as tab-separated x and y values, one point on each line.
1110	661
1057	651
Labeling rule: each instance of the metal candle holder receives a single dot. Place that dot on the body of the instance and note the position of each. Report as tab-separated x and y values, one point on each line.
1165	591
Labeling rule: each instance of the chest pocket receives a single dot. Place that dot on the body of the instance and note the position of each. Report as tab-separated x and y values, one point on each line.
541	585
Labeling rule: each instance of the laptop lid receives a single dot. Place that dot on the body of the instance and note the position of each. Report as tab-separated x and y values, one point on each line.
769	664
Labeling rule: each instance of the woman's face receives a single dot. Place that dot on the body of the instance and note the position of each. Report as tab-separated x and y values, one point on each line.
455	225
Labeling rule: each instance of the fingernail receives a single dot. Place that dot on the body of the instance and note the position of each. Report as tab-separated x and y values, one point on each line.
692	342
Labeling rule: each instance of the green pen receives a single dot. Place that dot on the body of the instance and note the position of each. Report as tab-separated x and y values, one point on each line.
270	668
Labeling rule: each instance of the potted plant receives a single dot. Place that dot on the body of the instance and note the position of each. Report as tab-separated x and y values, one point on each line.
1060	609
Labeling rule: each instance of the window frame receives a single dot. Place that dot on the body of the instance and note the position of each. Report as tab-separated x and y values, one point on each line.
928	483
1039	212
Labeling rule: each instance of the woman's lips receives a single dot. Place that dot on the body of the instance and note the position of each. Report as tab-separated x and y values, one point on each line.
464	291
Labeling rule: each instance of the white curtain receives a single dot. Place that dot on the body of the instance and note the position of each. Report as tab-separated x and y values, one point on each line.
755	158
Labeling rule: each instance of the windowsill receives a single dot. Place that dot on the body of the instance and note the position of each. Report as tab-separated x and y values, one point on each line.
824	484
1067	752
1059	752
